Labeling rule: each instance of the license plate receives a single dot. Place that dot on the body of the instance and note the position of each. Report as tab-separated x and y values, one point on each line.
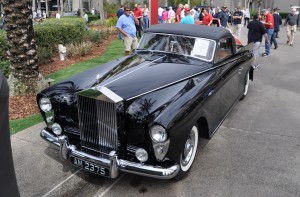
89	166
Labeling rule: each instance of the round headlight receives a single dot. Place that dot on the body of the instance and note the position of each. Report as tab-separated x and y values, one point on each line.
56	128
45	104
158	134
141	155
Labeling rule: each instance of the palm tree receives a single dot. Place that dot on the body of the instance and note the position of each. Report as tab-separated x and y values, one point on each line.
22	50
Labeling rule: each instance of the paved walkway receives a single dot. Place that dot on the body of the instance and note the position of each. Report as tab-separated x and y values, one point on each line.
256	151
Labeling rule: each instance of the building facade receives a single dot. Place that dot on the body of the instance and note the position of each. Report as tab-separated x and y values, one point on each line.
72	5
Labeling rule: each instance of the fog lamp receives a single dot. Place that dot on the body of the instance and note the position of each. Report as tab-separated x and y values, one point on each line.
56	128
49	119
141	155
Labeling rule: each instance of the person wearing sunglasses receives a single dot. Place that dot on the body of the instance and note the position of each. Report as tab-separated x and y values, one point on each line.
127	26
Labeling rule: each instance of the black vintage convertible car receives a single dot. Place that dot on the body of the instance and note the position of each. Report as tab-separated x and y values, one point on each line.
144	113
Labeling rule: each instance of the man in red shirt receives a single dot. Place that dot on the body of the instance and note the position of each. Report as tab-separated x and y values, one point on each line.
138	13
269	25
207	18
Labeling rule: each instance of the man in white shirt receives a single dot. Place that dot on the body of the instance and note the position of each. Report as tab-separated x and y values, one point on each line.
160	11
246	16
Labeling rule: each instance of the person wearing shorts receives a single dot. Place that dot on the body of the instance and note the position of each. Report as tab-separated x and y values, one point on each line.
127	26
255	34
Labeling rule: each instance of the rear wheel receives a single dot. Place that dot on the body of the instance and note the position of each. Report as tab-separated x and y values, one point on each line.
246	87
188	154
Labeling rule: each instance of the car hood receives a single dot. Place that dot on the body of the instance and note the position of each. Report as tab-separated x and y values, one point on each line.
140	74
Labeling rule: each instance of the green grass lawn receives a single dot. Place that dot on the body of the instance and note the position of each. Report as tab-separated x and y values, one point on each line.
113	51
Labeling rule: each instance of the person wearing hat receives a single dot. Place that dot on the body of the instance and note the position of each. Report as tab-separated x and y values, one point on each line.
223	16
269	25
188	19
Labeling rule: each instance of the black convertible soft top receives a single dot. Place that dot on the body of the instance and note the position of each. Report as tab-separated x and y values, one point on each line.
202	31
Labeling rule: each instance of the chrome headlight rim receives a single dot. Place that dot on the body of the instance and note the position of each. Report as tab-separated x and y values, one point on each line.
158	134
45	104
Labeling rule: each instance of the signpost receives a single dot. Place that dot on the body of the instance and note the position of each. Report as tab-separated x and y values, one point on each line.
153	6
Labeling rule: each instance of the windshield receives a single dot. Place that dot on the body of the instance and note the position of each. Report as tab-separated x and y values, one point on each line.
183	45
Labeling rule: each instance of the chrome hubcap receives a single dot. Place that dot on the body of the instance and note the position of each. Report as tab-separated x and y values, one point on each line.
188	149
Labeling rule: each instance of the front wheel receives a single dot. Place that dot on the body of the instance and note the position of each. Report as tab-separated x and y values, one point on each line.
188	154
246	87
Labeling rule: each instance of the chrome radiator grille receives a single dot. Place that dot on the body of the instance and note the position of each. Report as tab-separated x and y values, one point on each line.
98	125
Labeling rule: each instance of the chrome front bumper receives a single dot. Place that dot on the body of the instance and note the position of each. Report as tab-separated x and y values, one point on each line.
113	163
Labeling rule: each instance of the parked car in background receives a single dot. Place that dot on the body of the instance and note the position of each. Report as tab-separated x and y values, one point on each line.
144	113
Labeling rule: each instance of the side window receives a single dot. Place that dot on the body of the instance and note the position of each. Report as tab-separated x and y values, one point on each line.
224	49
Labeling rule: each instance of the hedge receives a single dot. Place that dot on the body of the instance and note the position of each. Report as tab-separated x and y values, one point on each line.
3	43
93	17
59	31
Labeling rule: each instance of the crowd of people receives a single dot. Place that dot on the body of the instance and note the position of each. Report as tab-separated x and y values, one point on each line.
265	24
269	28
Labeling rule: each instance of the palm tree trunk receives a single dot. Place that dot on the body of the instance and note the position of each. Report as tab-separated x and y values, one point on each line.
119	2
69	6
101	10
61	7
22	50
47	9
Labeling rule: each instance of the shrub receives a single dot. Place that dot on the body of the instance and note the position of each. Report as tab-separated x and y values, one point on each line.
283	14
93	36
111	22
103	33
5	68
97	23
111	9
44	55
93	17
72	50
85	47
81	49
3	43
59	31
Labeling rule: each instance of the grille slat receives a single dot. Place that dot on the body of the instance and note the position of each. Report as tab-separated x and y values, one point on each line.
98	125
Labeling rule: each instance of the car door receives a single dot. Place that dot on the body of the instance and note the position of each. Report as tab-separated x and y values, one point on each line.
228	65
244	57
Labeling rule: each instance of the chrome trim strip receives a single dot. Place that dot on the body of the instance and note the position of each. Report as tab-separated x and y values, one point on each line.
113	163
110	94
178	81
